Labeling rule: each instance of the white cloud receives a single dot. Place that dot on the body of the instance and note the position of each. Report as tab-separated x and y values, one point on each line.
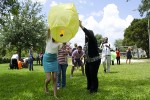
41	1
82	1
97	14
53	3
81	17
111	25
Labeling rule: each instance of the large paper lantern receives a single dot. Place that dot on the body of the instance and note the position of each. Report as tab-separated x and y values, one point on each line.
63	21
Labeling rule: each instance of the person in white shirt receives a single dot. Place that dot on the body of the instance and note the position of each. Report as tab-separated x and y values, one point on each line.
14	61
50	62
106	55
25	62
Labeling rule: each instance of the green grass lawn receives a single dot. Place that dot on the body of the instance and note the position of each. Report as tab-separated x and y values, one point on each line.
124	82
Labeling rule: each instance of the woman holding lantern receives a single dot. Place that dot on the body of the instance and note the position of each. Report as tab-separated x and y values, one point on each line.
50	63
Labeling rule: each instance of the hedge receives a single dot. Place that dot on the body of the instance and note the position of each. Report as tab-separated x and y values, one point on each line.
4	60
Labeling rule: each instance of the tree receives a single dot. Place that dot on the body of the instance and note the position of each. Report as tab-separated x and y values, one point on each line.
25	29
136	34
99	39
118	44
7	7
144	7
2	50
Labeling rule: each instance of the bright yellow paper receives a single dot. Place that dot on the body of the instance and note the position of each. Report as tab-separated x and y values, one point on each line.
63	21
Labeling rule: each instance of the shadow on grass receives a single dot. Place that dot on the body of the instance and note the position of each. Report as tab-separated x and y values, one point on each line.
27	86
113	72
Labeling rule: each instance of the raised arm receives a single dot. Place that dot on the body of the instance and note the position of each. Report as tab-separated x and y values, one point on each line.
86	31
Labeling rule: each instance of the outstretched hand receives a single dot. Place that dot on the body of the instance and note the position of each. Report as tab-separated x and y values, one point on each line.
80	24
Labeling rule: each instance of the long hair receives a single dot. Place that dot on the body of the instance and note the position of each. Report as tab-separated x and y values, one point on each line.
48	34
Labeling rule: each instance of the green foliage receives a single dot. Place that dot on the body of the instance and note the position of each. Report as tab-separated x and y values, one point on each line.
144	7
137	34
4	60
118	44
99	39
8	7
124	82
26	28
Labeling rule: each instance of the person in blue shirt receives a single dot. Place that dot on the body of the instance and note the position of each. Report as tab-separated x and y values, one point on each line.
31	58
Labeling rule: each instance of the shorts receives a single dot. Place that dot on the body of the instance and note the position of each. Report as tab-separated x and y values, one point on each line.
77	62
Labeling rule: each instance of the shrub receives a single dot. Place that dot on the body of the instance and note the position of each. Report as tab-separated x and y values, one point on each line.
4	60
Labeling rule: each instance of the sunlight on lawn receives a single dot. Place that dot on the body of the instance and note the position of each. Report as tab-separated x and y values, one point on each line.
124	82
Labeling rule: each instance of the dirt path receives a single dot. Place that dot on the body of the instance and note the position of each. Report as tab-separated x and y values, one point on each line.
134	60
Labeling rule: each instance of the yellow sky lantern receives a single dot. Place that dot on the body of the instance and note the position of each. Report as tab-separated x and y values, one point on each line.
63	21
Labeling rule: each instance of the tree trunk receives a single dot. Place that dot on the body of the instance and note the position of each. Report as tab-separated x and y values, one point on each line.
19	52
149	39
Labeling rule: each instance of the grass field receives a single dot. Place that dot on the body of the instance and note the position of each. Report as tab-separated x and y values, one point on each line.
124	82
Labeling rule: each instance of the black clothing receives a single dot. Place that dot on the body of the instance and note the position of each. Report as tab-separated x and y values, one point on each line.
118	60
91	71
73	49
92	65
14	64
129	55
92	43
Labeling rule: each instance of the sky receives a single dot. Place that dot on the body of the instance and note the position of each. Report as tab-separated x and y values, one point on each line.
106	17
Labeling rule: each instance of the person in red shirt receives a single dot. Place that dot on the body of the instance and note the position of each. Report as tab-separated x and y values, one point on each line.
118	56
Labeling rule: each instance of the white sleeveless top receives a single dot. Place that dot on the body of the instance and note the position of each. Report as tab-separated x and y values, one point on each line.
51	47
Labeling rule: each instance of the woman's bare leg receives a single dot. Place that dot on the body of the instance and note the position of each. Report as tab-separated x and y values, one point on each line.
54	75
47	81
129	61
126	61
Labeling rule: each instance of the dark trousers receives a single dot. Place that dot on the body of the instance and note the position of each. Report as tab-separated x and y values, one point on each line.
112	62
91	70
61	73
14	64
42	61
38	61
118	60
30	64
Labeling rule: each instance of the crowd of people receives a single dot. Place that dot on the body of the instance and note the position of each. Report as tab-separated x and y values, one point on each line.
25	62
56	55
55	60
